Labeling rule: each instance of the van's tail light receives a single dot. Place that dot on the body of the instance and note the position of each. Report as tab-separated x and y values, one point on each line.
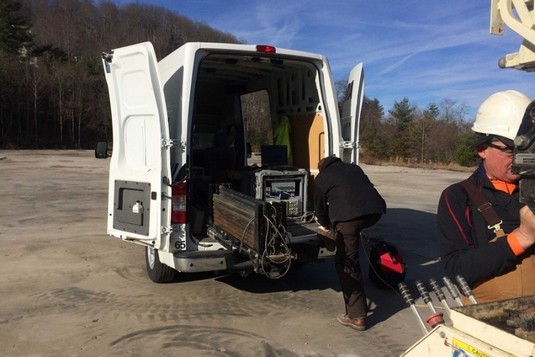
266	49
178	213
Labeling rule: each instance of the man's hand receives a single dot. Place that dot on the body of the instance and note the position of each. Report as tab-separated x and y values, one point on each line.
326	235
325	229
525	234
325	232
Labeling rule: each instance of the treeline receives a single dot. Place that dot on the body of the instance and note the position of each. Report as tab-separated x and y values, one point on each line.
53	92
437	134
52	87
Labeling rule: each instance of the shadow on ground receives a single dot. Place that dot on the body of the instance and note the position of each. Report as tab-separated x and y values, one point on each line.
412	232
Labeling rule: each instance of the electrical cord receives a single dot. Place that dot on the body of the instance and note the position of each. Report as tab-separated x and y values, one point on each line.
395	290
274	261
364	248
276	245
307	217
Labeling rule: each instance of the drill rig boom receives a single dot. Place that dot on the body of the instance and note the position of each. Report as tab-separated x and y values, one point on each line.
519	16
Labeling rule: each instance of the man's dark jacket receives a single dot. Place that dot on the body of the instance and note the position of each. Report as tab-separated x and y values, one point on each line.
464	234
343	192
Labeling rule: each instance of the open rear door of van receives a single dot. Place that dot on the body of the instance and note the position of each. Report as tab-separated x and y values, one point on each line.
351	110
139	196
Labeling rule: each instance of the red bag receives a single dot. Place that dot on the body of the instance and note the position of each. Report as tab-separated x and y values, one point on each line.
387	268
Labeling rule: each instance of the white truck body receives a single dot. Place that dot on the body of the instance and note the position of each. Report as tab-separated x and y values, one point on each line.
166	118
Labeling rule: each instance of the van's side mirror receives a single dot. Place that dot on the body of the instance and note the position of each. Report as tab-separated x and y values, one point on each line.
101	150
249	150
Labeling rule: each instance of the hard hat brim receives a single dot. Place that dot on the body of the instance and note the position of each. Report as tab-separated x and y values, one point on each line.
481	139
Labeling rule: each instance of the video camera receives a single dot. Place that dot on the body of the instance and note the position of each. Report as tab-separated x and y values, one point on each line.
524	157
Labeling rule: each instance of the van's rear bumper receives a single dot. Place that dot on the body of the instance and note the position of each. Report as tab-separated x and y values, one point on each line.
304	249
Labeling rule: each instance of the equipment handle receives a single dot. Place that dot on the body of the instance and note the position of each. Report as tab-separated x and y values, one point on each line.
453	290
464	285
465	288
423	291
436	288
406	294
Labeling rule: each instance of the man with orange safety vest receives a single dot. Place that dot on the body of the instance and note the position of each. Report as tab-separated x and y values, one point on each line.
486	236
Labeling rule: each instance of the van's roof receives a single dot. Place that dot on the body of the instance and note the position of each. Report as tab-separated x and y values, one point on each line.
251	48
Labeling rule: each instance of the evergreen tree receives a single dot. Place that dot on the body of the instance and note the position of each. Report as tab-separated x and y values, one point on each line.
371	139
14	29
429	116
403	143
465	155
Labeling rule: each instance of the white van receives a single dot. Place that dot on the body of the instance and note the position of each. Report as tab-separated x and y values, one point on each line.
214	152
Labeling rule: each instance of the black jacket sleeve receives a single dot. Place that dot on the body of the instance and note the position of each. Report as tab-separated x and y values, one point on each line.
465	240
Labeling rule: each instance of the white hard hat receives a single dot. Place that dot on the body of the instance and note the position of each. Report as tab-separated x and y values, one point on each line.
501	115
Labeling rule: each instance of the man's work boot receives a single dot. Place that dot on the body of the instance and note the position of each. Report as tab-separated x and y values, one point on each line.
354	323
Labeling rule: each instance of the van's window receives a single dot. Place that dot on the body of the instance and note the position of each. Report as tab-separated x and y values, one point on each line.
257	119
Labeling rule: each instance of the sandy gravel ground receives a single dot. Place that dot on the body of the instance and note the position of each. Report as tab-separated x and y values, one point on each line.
67	289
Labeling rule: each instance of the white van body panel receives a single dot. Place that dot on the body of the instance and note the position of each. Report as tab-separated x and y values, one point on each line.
138	111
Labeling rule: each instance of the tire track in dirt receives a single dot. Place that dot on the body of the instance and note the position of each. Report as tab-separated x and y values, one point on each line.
198	341
100	309
175	301
186	305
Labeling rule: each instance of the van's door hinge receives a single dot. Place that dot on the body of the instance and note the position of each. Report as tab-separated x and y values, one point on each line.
173	143
348	145
166	230
107	57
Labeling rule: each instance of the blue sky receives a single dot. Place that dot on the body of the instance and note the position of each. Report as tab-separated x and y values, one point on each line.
424	50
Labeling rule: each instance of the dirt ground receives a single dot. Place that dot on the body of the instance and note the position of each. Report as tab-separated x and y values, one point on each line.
67	289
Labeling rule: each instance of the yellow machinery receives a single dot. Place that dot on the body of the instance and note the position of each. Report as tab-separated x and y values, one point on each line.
497	329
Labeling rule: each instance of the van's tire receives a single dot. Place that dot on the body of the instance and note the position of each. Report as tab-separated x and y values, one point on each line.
158	272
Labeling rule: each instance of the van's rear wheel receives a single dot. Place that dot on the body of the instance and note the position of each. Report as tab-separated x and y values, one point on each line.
158	272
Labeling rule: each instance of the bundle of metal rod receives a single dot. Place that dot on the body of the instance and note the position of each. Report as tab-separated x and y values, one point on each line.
465	289
405	293
240	216
435	318
440	294
453	290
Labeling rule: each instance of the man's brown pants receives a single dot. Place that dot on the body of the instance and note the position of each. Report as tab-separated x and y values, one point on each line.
348	266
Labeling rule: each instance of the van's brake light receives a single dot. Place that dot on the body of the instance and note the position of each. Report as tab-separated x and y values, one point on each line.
266	49
178	213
